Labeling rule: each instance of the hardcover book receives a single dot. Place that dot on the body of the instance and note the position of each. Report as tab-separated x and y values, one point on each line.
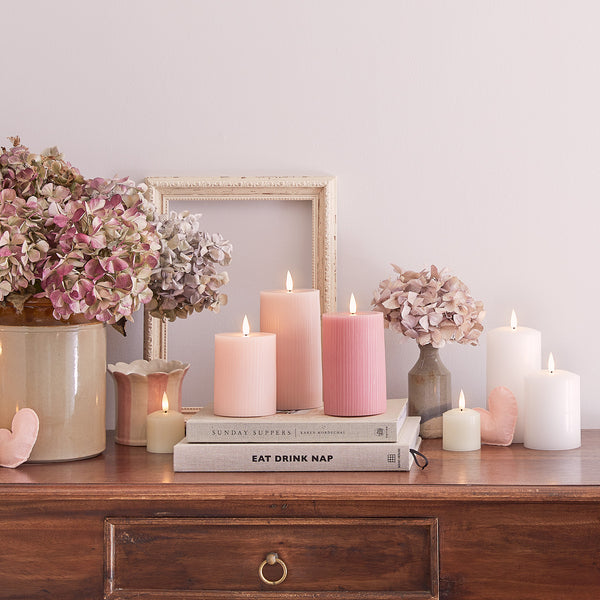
328	456
311	425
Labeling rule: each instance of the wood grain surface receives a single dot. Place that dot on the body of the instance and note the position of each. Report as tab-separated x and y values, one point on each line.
512	523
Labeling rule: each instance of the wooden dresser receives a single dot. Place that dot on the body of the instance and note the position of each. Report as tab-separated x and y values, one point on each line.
497	523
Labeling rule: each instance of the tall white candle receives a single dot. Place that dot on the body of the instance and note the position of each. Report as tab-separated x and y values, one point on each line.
513	353
552	409
295	317
461	428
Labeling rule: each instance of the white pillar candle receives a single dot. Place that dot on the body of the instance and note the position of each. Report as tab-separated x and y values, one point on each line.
552	409
295	317
461	428
513	353
164	428
245	374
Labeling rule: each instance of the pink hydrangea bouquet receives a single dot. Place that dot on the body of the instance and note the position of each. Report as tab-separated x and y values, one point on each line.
90	246
430	306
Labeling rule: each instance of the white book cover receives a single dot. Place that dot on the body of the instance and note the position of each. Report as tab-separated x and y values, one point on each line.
311	425
377	456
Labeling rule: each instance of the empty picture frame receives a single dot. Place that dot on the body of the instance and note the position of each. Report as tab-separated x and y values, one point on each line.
275	224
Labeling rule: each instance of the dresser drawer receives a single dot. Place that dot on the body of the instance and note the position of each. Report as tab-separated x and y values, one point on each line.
221	558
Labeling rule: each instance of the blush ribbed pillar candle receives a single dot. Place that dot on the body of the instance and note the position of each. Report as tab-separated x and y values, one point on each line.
353	364
295	317
245	375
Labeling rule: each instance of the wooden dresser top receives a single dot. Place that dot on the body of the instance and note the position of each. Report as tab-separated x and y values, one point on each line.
492	473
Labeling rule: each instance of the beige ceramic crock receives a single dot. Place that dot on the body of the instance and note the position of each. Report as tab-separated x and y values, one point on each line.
57	368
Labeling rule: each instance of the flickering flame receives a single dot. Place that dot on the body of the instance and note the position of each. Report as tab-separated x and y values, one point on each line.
551	363
246	326
352	305
461	400
289	282
165	402
513	319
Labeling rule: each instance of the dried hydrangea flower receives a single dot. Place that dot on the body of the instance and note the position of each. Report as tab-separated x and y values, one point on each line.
87	245
186	279
430	306
107	250
94	247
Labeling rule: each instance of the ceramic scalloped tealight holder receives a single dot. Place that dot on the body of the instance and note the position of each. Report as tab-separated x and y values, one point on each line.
140	386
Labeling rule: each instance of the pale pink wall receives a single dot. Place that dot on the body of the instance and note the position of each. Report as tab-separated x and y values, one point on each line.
463	133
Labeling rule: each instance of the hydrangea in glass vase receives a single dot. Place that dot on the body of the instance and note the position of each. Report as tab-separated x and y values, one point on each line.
432	307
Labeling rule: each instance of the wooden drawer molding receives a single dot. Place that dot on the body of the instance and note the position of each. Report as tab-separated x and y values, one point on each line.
336	559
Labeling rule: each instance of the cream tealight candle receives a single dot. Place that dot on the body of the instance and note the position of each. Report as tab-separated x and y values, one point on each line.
513	353
164	428
552	409
295	317
461	428
245	374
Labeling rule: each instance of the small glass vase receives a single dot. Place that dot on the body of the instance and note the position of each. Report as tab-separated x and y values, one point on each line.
429	391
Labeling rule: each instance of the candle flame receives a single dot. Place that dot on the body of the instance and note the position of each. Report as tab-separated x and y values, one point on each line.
289	282
352	305
551	363
246	326
165	402
513	319
461	400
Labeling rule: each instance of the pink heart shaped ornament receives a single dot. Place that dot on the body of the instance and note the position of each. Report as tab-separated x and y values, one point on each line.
16	445
499	422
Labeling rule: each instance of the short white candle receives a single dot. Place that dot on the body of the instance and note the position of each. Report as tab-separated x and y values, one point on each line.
552	409
164	428
461	428
513	353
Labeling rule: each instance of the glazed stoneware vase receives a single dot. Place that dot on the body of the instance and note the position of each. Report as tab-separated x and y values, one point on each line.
140	386
58	369
429	391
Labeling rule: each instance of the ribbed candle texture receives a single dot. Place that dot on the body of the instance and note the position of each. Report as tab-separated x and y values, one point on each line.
245	375
295	317
353	364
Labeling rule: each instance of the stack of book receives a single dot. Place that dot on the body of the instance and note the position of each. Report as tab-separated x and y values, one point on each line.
303	440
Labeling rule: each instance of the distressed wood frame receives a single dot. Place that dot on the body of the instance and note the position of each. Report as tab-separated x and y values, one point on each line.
321	191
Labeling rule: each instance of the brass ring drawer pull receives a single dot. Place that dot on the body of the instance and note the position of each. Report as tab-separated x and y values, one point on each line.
271	559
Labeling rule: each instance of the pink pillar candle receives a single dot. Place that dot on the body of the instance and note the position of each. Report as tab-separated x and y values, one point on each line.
353	364
295	317
245	375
